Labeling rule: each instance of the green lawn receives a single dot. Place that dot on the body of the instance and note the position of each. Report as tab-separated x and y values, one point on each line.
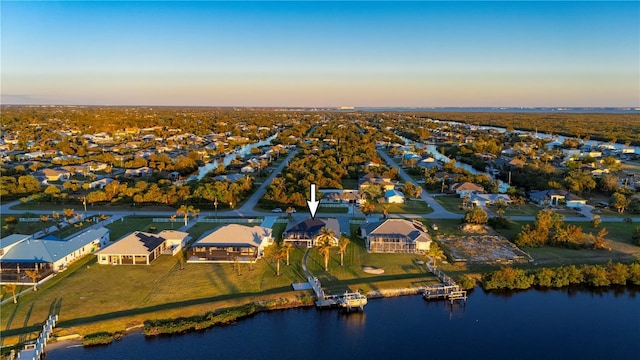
130	224
522	210
26	228
94	293
401	270
452	203
409	207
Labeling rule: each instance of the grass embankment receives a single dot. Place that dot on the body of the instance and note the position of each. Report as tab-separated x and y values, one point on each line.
400	270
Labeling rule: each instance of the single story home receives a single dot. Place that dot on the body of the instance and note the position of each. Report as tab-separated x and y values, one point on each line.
141	248
396	236
306	233
466	188
556	197
393	197
229	243
48	255
56	174
374	180
488	199
140	172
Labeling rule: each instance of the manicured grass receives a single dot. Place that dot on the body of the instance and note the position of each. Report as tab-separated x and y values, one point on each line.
409	207
522	210
401	270
93	293
130	224
452	203
26	228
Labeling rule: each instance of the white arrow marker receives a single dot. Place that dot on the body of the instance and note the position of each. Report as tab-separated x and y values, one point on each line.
313	204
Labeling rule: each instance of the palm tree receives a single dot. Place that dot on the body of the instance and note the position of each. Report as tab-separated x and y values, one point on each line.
277	252
185	210
342	244
68	213
324	248
287	248
326	235
33	274
435	253
11	288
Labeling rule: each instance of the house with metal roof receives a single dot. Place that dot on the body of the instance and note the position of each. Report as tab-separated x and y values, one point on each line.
141	248
396	236
48	255
230	243
394	197
306	233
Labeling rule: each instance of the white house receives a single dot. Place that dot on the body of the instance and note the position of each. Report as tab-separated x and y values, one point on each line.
396	236
229	243
47	255
488	199
393	197
141	248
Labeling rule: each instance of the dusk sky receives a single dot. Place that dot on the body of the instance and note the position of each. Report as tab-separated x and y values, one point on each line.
321	53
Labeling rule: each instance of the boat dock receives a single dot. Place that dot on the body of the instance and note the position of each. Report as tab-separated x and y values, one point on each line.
35	351
348	301
448	290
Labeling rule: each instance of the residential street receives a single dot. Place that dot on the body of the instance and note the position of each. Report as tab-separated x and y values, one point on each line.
248	208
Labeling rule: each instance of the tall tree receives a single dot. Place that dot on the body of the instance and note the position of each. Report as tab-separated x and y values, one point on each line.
277	252
185	211
11	288
324	248
287	247
342	244
618	201
34	276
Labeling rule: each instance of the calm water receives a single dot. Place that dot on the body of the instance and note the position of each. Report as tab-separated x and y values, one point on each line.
556	324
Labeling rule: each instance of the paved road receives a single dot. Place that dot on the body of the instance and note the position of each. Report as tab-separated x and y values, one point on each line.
247	209
438	211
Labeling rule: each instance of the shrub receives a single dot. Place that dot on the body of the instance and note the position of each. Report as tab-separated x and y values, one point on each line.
466	282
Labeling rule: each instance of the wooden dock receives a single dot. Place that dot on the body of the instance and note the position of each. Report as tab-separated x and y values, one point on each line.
35	351
448	290
348	301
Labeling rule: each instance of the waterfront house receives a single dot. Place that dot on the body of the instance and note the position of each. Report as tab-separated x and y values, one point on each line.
306	233
396	236
141	248
229	243
48	255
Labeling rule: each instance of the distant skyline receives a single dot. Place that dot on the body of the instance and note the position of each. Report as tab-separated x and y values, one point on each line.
321	54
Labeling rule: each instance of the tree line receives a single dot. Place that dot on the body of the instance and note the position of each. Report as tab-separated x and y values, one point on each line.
591	275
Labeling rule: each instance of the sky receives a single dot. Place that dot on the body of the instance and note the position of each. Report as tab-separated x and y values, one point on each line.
320	54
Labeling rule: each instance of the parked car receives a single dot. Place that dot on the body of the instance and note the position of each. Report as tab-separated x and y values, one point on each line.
276	210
